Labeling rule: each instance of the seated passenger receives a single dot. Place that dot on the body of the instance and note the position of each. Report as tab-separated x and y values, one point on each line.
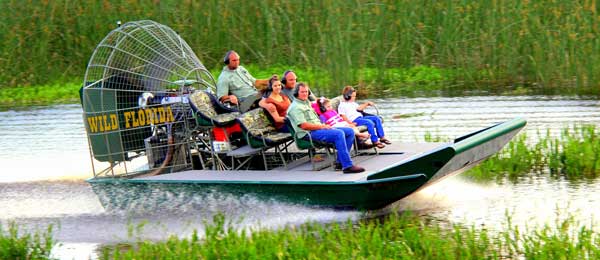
235	84
289	82
303	117
272	95
331	117
349	108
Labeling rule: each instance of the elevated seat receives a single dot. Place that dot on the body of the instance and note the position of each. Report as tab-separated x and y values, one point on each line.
306	143
260	133
210	114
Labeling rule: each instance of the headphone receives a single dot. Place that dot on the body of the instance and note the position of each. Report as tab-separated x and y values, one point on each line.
348	94
283	79
321	102
226	58
270	85
297	89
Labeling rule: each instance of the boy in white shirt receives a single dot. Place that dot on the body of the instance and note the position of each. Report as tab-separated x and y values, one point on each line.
349	108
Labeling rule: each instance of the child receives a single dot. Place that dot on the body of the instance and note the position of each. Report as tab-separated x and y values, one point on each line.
350	109
329	116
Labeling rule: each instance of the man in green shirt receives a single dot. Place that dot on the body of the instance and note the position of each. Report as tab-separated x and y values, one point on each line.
305	121
236	85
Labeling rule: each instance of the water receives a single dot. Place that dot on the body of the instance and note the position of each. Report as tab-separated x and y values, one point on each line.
45	160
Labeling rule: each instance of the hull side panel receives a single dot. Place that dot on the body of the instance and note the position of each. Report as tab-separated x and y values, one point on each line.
123	195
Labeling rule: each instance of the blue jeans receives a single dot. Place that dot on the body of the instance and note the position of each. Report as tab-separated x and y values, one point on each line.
342	138
374	126
283	129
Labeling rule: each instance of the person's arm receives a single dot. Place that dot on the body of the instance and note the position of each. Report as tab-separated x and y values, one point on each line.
270	107
229	98
277	118
223	90
323	118
261	84
347	121
362	106
267	105
310	126
297	117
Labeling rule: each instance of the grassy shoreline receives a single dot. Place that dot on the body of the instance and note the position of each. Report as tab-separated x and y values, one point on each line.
424	79
416	81
58	93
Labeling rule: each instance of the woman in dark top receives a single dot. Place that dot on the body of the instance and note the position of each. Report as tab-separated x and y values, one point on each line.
273	95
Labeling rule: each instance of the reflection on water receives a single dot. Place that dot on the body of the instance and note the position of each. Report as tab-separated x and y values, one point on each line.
45	159
43	143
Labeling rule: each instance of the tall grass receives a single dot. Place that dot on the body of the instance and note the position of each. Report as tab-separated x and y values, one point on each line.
20	245
547	44
575	154
396	236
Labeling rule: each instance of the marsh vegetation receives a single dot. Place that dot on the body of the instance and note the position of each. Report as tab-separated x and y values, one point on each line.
549	47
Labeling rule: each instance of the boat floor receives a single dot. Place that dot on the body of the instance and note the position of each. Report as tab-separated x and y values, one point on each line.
301	170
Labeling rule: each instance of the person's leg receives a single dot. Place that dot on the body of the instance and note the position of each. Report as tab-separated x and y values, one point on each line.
370	127
283	129
337	137
378	125
349	136
249	103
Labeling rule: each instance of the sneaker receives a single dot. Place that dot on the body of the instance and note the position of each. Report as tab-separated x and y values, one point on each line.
354	169
338	166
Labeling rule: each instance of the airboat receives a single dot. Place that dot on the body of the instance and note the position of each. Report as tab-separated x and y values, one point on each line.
153	123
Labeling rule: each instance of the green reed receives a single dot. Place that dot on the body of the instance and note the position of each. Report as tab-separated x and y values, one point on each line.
574	154
550	45
39	95
395	236
577	154
19	245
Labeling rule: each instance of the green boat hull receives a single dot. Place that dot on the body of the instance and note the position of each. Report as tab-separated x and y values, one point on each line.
376	190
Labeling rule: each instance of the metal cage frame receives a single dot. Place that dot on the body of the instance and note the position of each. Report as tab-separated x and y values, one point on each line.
134	98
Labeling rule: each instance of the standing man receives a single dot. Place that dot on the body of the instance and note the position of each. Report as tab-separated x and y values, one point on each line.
236	85
305	121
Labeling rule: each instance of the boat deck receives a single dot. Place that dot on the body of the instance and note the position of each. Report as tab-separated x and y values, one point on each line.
301	170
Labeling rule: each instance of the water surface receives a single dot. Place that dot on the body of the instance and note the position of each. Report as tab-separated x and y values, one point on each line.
45	160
